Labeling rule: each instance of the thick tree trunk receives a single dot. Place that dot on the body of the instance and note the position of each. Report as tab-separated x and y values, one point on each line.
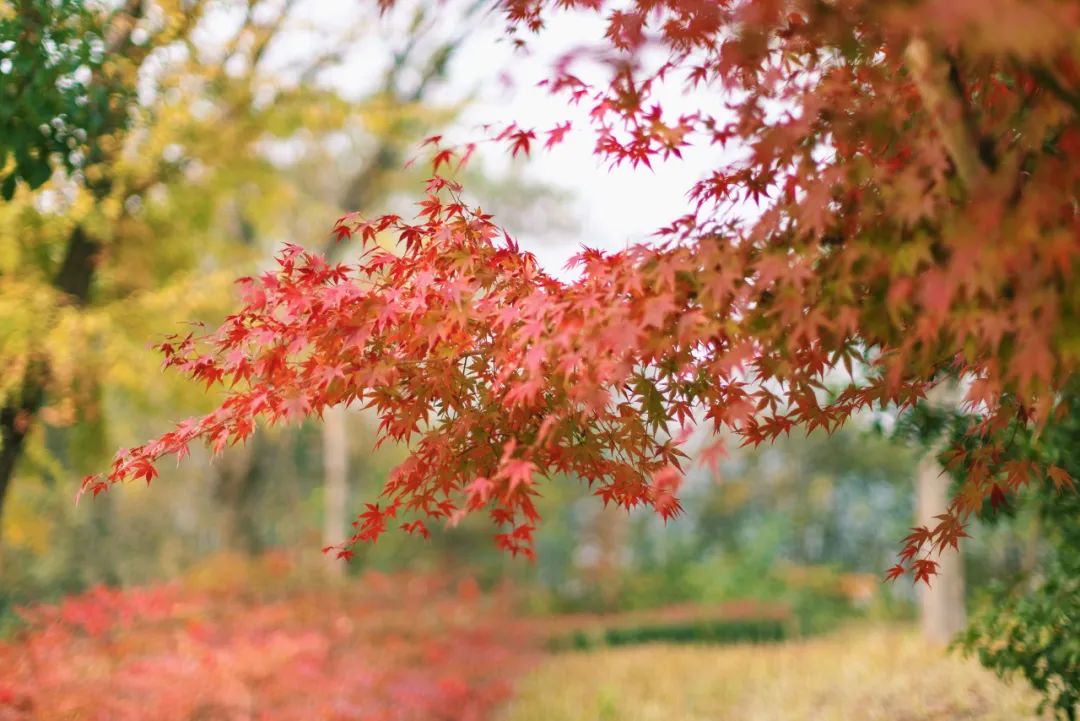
335	487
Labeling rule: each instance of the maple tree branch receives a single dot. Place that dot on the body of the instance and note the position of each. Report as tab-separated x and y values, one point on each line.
984	145
326	58
942	101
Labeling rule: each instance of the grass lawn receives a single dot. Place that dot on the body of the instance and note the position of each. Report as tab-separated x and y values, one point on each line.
860	674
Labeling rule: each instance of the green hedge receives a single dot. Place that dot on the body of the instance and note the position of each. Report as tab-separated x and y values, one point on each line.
700	631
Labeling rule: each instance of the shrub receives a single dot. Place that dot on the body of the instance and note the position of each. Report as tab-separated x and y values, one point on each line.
730	623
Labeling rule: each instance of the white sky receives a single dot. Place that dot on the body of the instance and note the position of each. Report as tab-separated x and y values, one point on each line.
612	207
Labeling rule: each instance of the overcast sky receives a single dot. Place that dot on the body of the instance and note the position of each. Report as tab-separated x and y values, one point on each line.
611	207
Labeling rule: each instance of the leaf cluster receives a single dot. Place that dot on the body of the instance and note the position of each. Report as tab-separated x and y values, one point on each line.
60	89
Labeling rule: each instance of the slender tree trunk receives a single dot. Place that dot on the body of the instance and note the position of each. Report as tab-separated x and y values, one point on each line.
935	73
90	432
101	557
335	487
942	609
366	189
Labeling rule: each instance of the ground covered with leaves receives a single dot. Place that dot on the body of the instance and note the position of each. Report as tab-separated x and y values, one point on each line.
243	644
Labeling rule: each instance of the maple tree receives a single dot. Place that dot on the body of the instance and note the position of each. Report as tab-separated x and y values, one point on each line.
913	165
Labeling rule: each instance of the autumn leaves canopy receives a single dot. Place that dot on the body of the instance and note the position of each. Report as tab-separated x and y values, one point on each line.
912	169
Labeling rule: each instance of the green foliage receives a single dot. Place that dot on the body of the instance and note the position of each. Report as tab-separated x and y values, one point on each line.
1027	626
1024	617
56	94
1032	632
797	523
755	630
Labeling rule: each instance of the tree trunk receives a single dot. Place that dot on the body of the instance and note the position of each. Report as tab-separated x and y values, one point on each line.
335	487
15	420
942	612
74	279
366	189
941	605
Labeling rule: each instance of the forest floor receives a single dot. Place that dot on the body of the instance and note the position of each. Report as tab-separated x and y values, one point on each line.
860	674
259	641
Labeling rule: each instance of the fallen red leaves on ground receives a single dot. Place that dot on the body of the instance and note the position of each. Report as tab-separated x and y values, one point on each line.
382	648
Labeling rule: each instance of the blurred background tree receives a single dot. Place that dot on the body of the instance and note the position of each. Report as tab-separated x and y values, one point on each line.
808	521
200	174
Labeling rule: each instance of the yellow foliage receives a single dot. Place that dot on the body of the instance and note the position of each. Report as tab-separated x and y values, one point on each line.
24	525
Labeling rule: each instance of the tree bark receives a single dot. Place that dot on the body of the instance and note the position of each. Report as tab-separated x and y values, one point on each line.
942	98
365	190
